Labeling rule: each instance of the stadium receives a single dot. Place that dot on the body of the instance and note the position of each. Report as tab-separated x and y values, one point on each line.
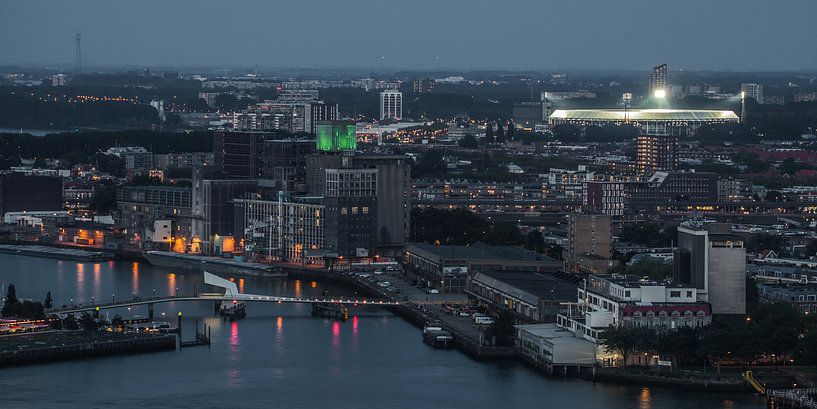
651	121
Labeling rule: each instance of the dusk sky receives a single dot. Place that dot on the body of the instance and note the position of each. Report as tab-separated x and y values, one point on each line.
743	35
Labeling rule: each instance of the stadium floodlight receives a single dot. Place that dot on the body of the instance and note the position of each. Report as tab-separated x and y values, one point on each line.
660	93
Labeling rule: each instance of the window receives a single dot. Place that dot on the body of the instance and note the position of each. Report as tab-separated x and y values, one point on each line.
650	314
365	210
627	293
687	313
354	209
637	314
676	313
689	294
343	210
662	314
675	294
700	313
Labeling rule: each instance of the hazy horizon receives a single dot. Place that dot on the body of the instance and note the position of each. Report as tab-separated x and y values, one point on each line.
589	35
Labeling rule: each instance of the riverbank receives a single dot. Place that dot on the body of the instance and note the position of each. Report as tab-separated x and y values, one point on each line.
52	346
728	380
61	253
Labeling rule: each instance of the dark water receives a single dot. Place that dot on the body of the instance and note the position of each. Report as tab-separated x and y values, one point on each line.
281	357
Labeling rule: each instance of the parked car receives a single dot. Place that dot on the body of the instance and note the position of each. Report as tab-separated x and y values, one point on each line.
432	291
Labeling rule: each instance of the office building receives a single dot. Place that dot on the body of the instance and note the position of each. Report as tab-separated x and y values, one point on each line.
589	244
606	198
285	163
734	190
752	90
213	209
659	84
138	207
239	154
22	193
287	230
391	105
57	80
656	152
183	160
713	260
351	211
663	188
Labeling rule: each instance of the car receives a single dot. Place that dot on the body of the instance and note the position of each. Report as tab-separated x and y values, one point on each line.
378	272
433	291
391	268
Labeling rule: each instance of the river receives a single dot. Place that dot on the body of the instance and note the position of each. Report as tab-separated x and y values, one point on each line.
280	356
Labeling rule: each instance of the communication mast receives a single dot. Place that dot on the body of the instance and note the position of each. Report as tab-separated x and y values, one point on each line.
78	56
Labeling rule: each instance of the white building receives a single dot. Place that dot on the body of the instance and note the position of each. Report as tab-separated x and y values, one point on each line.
391	105
752	90
289	230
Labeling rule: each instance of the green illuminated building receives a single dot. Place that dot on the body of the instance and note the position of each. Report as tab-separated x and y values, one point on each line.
333	136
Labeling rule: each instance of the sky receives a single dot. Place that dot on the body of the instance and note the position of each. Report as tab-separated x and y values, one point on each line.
733	35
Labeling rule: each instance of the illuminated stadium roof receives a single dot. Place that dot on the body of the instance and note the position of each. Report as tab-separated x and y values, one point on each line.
643	115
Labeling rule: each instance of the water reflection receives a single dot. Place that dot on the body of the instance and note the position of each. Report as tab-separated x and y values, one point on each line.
172	288
297	288
241	285
645	399
97	278
134	277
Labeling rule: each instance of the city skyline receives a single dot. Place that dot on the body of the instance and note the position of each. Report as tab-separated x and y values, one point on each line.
455	35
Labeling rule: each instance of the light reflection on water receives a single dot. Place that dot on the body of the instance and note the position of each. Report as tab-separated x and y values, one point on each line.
280	356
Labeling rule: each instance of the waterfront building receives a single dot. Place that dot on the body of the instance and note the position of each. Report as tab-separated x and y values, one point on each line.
531	295
22	193
554	349
289	230
138	207
213	210
713	260
625	300
446	267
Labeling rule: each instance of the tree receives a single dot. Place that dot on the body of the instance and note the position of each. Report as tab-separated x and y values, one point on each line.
70	323
647	267
534	241
104	200
502	330
489	132
500	133
48	301
625	340
763	241
468	142
88	322
11	294
511	131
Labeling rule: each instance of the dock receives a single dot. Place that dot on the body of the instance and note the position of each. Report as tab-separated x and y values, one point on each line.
201	338
335	311
55	252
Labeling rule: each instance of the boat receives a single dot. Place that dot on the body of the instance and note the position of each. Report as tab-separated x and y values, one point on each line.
233	311
436	336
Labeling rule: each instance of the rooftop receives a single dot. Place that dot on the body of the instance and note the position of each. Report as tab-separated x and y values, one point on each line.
481	250
644	115
528	286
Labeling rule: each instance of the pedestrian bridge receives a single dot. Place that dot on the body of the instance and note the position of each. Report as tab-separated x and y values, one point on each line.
230	294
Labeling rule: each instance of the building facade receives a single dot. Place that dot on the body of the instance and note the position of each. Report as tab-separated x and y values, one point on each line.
391	105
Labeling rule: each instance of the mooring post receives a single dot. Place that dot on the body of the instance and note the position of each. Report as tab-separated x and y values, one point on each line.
150	312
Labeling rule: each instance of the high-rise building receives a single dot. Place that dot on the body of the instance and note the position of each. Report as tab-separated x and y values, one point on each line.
659	85
713	260
590	243
391	201
752	90
351	217
391	105
285	163
656	153
212	207
239	154
335	136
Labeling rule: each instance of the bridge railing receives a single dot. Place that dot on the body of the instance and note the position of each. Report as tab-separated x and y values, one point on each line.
114	302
